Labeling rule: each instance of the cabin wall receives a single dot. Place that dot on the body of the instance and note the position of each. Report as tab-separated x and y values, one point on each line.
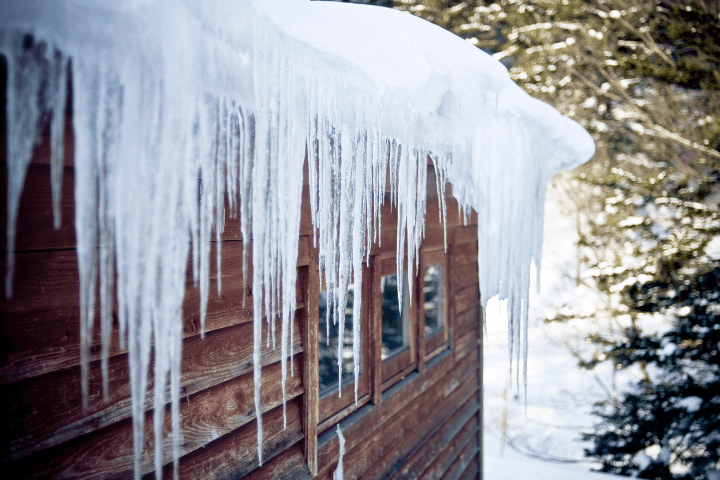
425	425
428	424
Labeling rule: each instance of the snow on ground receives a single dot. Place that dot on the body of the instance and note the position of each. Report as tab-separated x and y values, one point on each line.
559	394
513	466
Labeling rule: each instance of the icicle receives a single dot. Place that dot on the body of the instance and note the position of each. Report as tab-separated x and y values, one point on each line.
403	178
208	143
87	86
247	163
58	83
357	257
440	186
220	179
23	111
108	130
367	197
338	472
257	333
259	177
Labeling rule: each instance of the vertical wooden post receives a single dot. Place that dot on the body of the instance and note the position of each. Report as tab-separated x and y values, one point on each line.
366	330
413	315
420	324
448	297
311	404
376	332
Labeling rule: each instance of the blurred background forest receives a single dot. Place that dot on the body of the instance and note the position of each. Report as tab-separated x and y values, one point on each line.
643	77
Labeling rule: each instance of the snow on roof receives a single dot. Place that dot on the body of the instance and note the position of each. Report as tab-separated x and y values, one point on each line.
237	92
396	49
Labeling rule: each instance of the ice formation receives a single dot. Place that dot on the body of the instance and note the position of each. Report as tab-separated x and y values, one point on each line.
338	472
180	104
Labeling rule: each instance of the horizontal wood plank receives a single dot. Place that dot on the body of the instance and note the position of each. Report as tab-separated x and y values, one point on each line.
434	238
472	470
235	455
232	224
388	452
465	234
467	321
288	465
205	416
462	461
450	461
465	298
396	364
466	344
35	230
465	274
428	450
47	410
464	253
42	320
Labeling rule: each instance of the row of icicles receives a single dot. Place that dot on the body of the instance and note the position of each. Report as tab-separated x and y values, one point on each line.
141	210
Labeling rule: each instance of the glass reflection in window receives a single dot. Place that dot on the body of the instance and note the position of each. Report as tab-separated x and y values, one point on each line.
434	298
395	323
328	353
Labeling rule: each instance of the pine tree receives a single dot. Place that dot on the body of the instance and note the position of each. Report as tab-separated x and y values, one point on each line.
675	413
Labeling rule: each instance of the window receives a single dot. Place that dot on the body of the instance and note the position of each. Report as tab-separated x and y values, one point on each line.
332	404
395	321
434	298
397	349
433	308
328	350
403	332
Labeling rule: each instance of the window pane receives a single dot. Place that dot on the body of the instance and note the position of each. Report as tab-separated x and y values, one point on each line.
328	354
395	325
434	301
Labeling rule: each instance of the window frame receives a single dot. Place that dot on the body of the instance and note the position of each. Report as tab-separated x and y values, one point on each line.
379	375
331	407
431	345
397	366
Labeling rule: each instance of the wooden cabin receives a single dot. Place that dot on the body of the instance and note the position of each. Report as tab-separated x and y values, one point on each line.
418	413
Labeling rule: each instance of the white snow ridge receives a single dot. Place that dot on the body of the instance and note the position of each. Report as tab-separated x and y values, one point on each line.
238	93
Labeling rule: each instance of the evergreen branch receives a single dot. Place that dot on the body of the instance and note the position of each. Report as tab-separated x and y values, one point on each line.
646	37
660	130
664	132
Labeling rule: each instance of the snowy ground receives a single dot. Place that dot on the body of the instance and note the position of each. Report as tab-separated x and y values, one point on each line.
559	394
513	466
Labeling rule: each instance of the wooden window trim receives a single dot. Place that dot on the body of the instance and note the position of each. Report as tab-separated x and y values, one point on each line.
334	407
397	363
312	366
397	366
342	414
379	375
331	404
439	340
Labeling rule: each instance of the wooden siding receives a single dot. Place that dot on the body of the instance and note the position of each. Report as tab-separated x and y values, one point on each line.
426	425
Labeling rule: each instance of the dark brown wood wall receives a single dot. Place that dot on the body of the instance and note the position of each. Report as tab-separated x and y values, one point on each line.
425	426
43	430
